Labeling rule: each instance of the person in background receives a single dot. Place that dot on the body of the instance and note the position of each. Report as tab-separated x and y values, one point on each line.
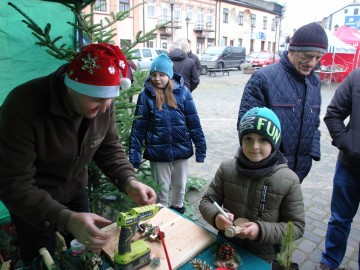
184	66
50	129
256	185
342	119
185	46
167	125
131	68
292	90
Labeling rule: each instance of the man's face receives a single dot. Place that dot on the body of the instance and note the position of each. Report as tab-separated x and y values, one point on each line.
86	106
304	61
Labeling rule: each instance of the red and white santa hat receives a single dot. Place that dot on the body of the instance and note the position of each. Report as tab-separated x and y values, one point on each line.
98	70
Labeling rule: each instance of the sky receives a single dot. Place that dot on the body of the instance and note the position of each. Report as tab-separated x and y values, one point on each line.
300	12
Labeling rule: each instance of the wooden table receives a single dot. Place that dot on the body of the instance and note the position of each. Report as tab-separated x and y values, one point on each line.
184	241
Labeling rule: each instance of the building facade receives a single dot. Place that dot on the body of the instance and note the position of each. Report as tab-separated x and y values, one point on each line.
253	24
349	15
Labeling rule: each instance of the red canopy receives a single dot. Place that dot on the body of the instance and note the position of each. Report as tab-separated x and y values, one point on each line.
348	35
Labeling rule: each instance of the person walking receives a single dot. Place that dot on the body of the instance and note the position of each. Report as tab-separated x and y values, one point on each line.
292	90
345	199
185	46
167	124
184	66
256	185
50	129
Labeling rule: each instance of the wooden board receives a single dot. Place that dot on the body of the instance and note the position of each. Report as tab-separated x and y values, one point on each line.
183	238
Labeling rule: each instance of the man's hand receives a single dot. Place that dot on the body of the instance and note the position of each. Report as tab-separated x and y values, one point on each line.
140	193
84	228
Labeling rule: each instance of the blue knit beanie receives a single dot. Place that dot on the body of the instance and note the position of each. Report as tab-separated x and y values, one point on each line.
162	63
262	121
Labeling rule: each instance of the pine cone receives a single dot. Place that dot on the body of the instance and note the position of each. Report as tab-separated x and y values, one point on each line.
226	252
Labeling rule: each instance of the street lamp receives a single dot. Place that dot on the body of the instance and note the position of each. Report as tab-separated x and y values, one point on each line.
187	27
172	2
276	25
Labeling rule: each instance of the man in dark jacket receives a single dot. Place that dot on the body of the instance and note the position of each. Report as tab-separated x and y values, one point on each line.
184	66
346	191
50	129
291	89
185	46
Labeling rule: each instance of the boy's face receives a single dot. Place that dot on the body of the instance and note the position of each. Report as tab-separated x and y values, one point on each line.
256	147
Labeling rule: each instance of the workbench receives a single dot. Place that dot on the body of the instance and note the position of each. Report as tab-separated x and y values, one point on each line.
184	240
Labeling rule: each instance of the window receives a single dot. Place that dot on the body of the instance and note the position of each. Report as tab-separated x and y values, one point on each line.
241	18
345	10
100	5
176	13
273	25
151	8
239	42
356	11
224	41
264	22
124	5
200	17
225	15
253	20
209	20
189	12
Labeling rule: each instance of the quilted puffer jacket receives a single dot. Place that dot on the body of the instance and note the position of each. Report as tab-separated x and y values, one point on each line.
241	195
167	134
296	101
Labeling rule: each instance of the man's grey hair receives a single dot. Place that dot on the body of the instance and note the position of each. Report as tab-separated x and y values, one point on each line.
174	45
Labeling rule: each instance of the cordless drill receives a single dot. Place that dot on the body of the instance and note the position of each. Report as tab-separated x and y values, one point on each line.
133	255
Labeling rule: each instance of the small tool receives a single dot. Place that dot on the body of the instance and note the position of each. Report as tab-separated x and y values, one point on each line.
221	211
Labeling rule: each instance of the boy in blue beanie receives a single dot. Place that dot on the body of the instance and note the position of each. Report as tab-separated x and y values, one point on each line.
257	186
166	125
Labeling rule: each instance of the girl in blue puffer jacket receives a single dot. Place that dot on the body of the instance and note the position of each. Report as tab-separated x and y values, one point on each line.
167	125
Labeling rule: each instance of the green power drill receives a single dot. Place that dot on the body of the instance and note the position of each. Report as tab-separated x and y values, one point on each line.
133	255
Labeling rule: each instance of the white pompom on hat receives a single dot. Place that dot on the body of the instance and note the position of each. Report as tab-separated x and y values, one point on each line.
98	70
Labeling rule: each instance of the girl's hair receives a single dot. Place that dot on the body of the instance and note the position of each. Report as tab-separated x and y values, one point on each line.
165	96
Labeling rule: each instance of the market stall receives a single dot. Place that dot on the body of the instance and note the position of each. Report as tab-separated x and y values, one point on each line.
338	62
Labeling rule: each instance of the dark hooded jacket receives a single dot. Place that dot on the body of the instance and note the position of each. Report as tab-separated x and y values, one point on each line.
186	67
296	100
345	103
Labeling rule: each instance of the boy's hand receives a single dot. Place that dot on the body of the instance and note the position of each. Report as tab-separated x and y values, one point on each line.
222	222
250	230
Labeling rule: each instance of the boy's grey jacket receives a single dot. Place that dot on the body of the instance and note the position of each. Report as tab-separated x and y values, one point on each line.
296	100
346	102
240	195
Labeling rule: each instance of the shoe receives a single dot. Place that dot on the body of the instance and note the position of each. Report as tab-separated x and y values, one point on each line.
180	210
323	266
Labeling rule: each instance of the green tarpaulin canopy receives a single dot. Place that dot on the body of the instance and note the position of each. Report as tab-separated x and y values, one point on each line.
20	58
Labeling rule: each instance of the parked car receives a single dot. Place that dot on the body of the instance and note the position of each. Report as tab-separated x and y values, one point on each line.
222	57
145	56
264	58
251	56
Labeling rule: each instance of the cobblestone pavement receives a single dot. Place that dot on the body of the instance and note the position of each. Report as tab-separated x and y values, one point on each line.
217	99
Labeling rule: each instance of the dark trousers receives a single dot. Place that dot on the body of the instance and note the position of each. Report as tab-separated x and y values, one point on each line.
344	205
32	238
